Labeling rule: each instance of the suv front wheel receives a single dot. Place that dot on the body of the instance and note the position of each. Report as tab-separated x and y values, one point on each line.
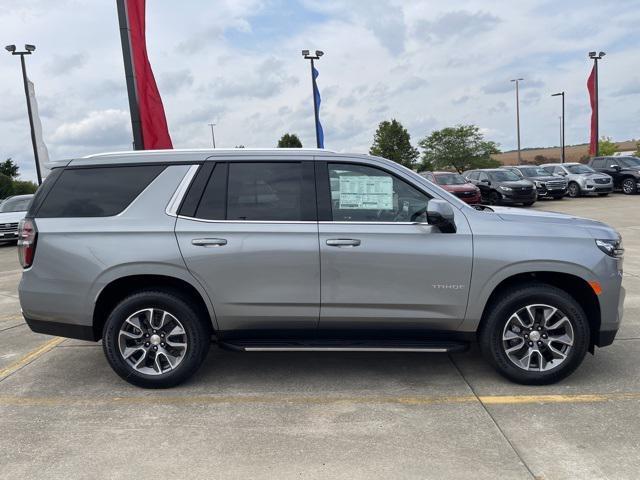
535	335
154	339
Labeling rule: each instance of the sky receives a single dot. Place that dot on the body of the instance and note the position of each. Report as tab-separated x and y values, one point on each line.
237	63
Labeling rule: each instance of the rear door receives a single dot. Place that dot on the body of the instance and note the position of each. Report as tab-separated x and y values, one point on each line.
382	267
250	237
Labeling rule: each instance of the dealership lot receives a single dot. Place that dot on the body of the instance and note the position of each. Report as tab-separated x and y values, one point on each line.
65	414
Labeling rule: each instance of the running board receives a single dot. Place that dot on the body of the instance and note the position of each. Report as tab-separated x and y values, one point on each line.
343	346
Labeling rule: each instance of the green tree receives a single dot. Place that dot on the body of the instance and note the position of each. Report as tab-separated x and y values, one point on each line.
289	140
637	154
6	186
392	141
607	147
9	168
462	147
23	187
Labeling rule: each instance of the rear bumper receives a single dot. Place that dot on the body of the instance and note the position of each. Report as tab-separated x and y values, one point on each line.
81	332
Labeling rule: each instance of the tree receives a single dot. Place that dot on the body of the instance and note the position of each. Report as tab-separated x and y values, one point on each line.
289	140
6	186
9	168
462	147
637	154
23	187
392	141
606	147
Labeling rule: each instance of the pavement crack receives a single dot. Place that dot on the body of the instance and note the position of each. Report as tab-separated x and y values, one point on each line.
495	422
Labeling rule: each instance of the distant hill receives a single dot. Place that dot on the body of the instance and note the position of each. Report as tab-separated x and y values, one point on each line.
574	153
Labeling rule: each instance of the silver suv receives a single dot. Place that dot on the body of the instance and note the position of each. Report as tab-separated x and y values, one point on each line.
156	253
582	178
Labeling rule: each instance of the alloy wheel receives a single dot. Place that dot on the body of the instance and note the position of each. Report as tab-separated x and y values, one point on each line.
574	190
629	186
538	337
152	341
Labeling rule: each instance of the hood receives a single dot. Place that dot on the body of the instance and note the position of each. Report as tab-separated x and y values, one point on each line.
466	187
592	175
11	217
595	228
548	178
516	183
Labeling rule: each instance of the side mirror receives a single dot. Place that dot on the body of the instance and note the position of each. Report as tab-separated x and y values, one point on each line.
615	167
440	214
485	181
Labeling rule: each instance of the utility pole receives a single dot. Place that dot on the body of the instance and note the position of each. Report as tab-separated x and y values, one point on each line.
213	135
561	94
28	50
517	82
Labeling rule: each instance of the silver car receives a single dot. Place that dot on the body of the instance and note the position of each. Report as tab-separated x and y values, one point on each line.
156	253
582	178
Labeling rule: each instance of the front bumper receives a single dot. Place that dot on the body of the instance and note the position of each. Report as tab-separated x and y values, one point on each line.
544	191
598	188
510	198
8	236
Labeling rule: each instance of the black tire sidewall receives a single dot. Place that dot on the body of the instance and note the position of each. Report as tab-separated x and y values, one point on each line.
198	338
491	334
633	186
577	189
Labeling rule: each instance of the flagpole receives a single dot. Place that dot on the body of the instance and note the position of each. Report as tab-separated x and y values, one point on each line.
125	40
596	56
314	87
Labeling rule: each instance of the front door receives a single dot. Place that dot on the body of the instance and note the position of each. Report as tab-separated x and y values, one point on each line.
253	244
382	266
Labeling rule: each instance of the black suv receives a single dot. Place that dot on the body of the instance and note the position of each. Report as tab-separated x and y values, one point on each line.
624	170
502	187
547	185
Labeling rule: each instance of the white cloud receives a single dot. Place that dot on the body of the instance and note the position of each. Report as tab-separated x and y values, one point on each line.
105	128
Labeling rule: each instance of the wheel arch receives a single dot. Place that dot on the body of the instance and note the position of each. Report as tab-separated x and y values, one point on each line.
574	285
120	287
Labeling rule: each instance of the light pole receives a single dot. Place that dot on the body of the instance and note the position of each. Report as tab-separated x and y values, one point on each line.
595	56
517	82
308	56
561	94
28	50
213	135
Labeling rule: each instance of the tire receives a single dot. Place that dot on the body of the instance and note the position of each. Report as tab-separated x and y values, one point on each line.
499	324
629	186
573	190
180	326
494	198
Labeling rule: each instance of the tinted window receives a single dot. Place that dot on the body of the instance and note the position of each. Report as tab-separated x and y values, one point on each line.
598	163
267	191
533	172
96	192
630	162
213	203
366	194
504	176
482	176
450	179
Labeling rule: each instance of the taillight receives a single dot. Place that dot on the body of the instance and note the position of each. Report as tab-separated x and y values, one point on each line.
27	236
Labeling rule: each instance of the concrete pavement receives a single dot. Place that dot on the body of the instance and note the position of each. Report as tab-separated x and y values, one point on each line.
65	414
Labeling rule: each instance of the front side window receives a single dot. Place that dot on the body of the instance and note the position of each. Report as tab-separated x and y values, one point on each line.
365	194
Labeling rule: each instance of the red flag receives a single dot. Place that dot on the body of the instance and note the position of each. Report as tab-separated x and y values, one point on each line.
155	133
591	86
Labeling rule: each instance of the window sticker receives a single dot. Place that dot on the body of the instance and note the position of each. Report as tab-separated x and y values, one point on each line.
366	193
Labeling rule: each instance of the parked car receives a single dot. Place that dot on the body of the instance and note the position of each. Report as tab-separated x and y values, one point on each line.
456	184
157	252
502	187
12	210
547	185
625	171
582	179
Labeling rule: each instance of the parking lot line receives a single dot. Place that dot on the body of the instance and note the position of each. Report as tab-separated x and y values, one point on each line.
24	401
30	357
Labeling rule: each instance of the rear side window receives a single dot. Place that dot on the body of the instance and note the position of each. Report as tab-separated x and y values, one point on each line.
259	191
96	192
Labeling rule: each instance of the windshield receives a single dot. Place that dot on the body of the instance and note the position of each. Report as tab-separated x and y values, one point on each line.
579	169
503	176
15	205
630	162
450	179
534	172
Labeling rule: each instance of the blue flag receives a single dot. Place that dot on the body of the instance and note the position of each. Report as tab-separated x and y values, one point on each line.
316	94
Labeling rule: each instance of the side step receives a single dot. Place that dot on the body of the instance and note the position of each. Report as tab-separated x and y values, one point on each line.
268	345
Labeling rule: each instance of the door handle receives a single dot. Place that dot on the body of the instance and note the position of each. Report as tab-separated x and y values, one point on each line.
209	242
343	242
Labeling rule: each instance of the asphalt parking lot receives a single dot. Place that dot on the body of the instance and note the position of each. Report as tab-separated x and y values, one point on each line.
65	414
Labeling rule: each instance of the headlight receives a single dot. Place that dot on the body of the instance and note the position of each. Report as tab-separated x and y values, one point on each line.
613	248
539	184
506	189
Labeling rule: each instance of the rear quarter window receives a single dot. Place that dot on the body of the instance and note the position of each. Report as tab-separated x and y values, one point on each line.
96	192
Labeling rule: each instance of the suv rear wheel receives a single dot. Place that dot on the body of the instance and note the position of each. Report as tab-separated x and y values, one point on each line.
154	339
535	335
